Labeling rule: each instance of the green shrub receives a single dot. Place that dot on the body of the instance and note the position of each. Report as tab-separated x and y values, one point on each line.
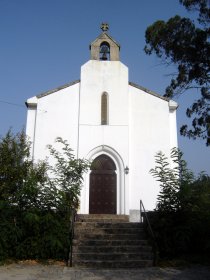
35	210
182	218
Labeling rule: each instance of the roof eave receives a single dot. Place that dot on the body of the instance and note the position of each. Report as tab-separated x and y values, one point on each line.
99	37
149	91
43	94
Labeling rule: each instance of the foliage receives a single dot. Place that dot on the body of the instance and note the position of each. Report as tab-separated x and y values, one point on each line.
34	209
67	173
185	43
20	178
171	179
182	218
33	234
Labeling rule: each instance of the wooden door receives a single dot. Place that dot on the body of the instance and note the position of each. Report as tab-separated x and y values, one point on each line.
103	185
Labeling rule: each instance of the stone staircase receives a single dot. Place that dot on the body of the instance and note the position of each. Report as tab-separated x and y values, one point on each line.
110	241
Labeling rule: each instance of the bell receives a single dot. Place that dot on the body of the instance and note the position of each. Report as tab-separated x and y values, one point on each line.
104	51
104	57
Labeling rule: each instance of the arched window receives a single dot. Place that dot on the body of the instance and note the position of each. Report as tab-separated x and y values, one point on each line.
104	51
104	108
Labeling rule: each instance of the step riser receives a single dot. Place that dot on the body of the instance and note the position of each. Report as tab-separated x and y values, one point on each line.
110	242
79	225
112	264
95	220
112	249
109	236
105	231
112	257
102	218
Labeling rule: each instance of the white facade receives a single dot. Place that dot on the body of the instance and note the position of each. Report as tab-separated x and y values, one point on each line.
139	124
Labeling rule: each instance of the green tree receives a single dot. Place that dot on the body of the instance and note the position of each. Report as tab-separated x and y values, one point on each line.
20	178
67	173
34	208
21	182
182	215
184	43
174	181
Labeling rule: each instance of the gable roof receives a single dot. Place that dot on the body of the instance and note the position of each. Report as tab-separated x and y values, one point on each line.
104	36
57	89
45	93
149	91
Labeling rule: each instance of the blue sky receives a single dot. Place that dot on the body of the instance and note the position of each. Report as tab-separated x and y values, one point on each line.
45	42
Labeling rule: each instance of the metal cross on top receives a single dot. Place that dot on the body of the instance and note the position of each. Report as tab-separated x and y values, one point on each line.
104	26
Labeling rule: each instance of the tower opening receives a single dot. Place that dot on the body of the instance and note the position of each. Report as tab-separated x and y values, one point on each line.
104	51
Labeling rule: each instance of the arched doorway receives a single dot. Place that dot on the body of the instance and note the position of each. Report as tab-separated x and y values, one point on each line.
103	186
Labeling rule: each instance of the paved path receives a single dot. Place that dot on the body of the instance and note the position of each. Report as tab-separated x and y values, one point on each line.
58	272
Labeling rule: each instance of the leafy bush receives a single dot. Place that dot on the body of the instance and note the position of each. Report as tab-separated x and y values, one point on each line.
35	210
182	218
67	173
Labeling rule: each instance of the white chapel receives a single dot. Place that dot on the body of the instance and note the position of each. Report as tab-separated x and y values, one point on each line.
116	124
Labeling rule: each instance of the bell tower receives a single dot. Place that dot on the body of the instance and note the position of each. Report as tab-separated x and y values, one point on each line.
104	47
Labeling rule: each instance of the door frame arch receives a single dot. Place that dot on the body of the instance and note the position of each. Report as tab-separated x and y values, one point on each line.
103	186
120	167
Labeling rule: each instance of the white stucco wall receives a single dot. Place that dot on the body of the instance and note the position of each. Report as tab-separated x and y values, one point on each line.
104	76
56	116
149	133
139	125
98	77
31	124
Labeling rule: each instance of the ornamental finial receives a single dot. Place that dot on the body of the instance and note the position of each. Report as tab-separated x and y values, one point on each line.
104	26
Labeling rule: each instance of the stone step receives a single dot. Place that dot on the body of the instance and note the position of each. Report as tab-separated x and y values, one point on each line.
107	225
114	264
110	241
105	231
99	236
112	256
102	218
92	242
114	249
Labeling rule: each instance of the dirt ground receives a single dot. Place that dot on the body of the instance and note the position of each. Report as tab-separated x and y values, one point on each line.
35	271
